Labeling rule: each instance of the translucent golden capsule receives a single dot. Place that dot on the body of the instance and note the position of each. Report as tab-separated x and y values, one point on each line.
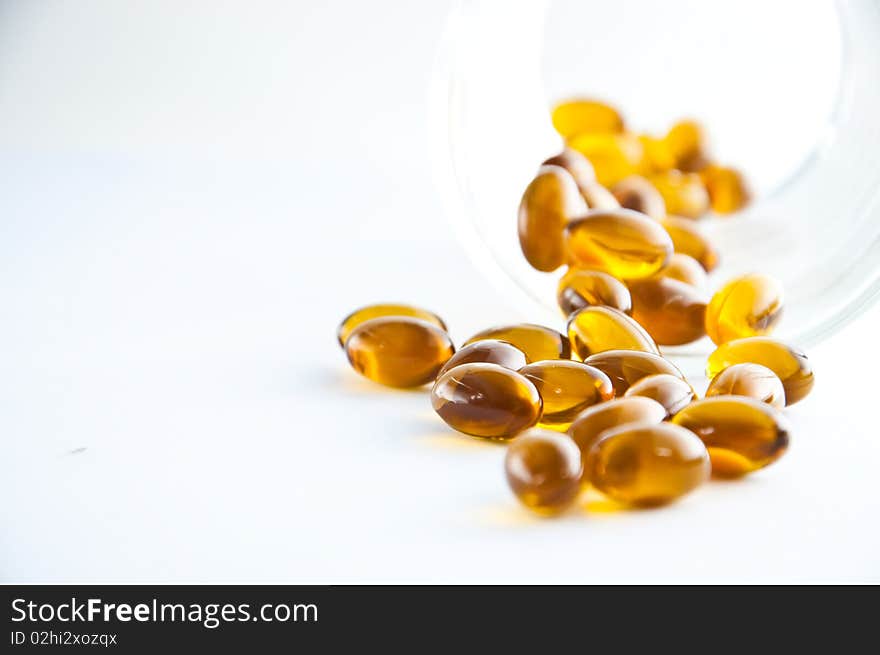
669	390
727	188
585	116
567	388
747	306
350	322
489	351
626	367
752	380
536	341
613	156
594	194
582	287
591	423
596	329
689	240
398	351
683	193
647	464
671	311
742	434
685	269
486	400
638	194
549	202
789	364
686	142
624	243
656	155
544	470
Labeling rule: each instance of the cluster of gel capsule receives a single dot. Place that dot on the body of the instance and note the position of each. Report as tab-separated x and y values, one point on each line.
599	405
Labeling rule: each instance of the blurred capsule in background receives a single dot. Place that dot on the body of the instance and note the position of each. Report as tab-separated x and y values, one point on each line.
685	269
585	116
687	239
684	193
686	142
638	194
613	156
726	187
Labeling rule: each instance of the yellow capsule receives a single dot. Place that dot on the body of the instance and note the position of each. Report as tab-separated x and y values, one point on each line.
742	434
624	243
626	367
536	341
687	239
683	193
486	400
544	469
669	390
685	269
591	423
647	464
657	157
594	194
350	322
582	287
613	156
686	142
567	388
598	197
638	194
398	351
596	329
671	311
752	380
549	202
490	351
727	188
584	116
747	306
790	365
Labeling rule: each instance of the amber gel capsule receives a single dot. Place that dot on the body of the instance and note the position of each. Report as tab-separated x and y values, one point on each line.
684	269
742	434
350	322
398	351
596	329
689	240
536	341
672	312
638	194
752	380
567	388
670	391
683	193
647	463
582	287
544	469
589	424
622	242
727	189
657	157
549	202
584	116
614	156
626	367
747	306
686	142
486	400
789	364
490	351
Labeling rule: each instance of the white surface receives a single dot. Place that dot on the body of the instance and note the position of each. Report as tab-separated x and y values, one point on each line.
187	208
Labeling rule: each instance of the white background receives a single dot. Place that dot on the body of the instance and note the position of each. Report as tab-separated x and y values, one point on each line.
191	196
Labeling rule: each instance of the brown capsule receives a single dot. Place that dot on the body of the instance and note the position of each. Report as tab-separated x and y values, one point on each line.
549	202
583	116
727	188
613	156
594	194
670	391
544	469
683	193
626	367
638	194
789	364
582	287
536	341
685	269
742	434
567	388
687	239
747	306
752	380
671	311
350	322
490	351
647	464
398	351
596	329
486	400
587	427
624	243
686	142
